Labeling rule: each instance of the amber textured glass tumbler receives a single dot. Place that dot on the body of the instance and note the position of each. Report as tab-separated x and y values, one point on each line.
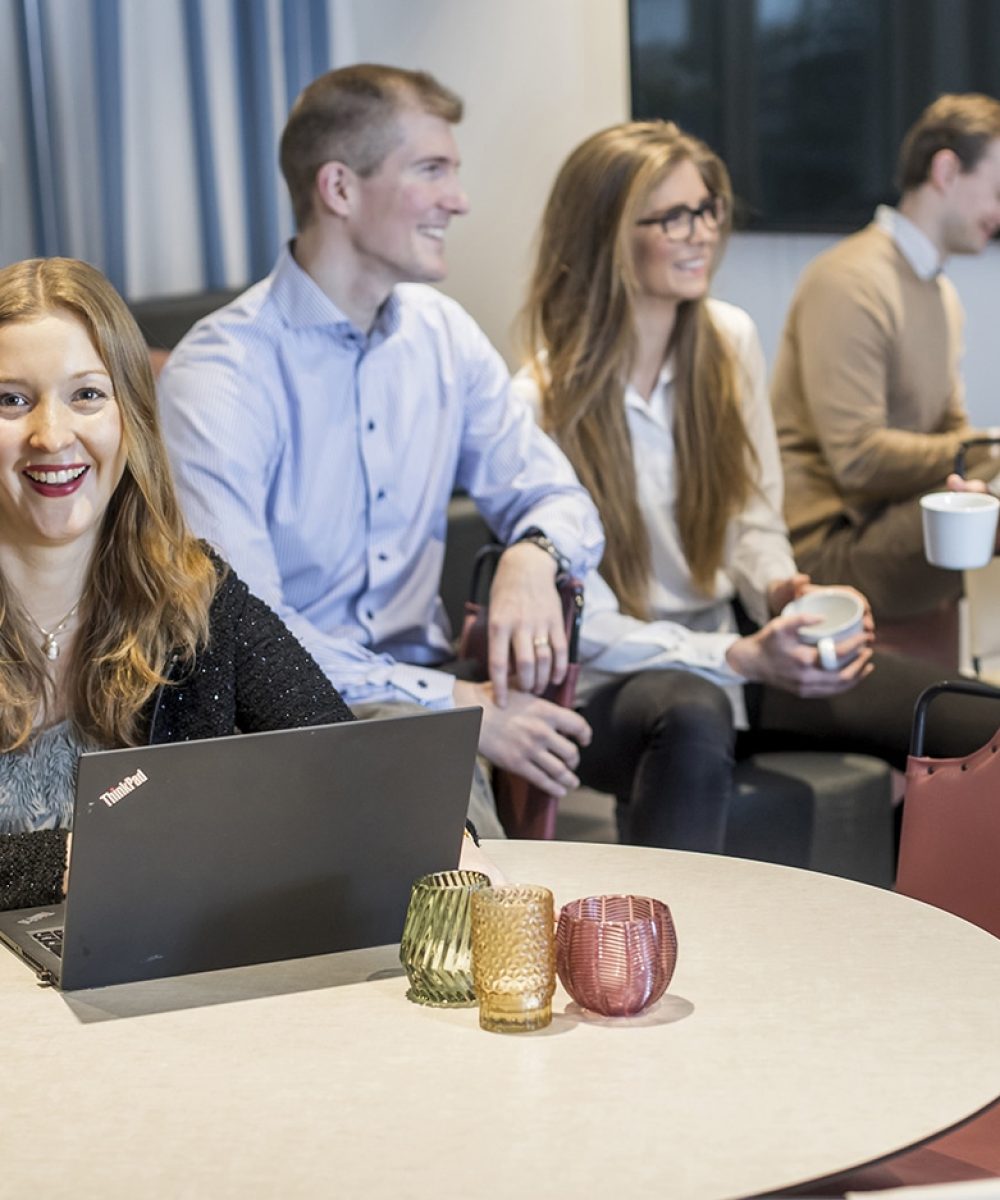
616	954
436	946
513	957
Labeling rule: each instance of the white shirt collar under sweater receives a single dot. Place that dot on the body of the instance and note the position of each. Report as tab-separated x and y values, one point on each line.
914	245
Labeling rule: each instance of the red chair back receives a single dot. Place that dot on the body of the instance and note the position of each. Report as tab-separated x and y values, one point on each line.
949	853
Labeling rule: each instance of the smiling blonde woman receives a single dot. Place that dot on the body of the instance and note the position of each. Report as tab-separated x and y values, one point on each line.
117	627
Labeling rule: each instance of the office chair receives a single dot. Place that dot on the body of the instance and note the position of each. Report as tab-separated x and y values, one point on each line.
950	842
948	857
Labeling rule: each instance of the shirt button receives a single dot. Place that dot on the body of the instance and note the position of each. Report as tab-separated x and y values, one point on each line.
421	683
369	614
380	494
383	557
371	426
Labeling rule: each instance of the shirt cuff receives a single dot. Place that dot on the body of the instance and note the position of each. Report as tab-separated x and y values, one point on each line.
424	685
713	648
647	649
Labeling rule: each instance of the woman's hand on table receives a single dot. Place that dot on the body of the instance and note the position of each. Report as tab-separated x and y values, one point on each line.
474	858
65	877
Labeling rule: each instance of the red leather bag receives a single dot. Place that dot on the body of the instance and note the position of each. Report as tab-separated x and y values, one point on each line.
949	853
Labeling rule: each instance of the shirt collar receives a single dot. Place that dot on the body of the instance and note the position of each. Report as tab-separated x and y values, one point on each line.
656	408
303	304
914	245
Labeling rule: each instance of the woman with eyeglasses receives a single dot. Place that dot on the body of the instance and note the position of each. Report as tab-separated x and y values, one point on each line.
658	395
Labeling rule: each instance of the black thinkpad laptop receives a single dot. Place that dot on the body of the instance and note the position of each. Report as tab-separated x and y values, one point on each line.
200	855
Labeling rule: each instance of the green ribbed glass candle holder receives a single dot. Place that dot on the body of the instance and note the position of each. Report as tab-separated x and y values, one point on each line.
436	946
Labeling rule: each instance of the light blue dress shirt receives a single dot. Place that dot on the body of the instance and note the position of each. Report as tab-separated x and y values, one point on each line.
320	460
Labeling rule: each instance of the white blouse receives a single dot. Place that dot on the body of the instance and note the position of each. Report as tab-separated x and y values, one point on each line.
689	629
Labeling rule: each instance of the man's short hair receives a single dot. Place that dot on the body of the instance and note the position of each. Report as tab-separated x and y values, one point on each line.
348	116
965	124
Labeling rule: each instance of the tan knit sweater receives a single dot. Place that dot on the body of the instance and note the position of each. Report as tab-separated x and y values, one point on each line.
866	390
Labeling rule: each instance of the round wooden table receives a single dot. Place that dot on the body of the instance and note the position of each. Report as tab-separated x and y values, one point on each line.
812	1024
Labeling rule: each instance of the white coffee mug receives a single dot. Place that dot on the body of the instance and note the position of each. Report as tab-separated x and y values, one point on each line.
843	616
960	529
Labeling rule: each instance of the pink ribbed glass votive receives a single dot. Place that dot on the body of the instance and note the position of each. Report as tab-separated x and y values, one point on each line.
615	955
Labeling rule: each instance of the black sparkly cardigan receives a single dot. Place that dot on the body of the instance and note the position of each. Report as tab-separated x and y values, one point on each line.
253	675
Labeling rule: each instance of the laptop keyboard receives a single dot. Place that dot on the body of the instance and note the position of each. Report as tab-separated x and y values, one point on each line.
51	939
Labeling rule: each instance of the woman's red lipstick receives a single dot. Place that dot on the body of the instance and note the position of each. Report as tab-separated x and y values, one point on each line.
44	487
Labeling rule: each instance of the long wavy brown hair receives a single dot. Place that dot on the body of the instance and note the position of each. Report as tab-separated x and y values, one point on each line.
151	583
579	332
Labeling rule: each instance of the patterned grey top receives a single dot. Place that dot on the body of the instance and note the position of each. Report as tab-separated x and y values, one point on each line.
37	782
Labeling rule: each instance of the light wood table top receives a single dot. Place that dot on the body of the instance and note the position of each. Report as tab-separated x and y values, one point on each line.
812	1024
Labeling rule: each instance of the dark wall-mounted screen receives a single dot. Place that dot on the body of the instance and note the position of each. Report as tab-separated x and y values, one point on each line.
807	100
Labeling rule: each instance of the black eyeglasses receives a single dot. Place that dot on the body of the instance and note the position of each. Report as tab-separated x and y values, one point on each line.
678	223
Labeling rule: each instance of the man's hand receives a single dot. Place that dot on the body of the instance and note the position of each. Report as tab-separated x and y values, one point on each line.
525	623
956	483
532	737
775	655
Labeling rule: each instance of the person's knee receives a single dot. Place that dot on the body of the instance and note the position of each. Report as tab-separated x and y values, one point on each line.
696	711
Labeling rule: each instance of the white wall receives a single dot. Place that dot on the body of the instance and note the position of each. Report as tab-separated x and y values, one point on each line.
978	283
537	76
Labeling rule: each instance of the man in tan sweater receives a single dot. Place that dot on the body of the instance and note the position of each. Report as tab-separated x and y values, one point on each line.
867	394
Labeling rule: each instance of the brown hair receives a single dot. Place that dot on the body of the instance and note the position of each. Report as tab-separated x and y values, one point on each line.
151	583
349	116
964	124
578	324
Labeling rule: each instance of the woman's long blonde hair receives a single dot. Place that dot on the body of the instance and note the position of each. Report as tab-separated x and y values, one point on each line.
151	583
580	337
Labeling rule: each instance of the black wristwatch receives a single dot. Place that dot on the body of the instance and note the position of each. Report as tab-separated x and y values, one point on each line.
542	540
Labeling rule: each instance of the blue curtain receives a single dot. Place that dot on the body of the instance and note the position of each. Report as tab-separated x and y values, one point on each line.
147	133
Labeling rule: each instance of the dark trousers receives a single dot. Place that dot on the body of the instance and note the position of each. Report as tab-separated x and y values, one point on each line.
664	742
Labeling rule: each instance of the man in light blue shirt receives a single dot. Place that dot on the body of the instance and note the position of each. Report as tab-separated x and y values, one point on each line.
319	424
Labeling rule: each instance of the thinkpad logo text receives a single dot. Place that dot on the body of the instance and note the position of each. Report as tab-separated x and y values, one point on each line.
120	790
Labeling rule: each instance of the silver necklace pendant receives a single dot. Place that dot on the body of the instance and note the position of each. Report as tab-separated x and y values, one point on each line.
50	647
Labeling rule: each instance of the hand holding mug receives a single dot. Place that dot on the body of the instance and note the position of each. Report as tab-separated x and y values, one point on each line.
838	617
780	656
